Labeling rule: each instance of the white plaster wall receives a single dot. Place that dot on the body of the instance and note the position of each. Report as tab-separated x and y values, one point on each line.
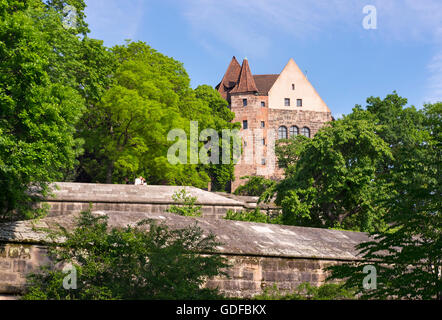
282	89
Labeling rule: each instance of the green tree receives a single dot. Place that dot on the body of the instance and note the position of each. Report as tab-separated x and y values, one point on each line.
185	204
331	179
150	96
38	109
252	216
408	256
129	263
221	174
305	291
343	176
255	186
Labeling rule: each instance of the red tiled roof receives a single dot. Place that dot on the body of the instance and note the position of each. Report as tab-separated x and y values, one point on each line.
230	78
239	79
246	82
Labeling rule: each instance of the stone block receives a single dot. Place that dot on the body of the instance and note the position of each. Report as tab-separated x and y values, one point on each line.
5	265
214	284
283	265
306	277
269	264
293	276
232	285
7	277
248	275
19	266
248	285
271	276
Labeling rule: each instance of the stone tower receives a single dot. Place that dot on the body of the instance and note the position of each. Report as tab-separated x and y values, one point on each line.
270	107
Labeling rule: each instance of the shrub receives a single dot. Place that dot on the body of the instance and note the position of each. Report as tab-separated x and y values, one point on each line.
252	216
186	204
129	263
255	187
305	291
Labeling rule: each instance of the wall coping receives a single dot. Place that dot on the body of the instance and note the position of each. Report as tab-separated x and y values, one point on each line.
238	238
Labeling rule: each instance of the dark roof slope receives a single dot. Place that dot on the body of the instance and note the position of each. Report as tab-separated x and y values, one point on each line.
239	79
246	82
230	78
264	82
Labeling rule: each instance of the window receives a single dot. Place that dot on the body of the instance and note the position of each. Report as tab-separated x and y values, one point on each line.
294	131
287	102
244	102
293	86
245	144
263	103
263	124
299	102
263	162
263	142
306	132
282	132
245	124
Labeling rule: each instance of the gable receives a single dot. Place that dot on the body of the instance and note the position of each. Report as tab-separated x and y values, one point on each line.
282	89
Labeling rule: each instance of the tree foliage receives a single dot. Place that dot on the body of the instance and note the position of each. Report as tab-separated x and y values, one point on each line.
129	263
408	255
255	186
344	176
185	204
221	174
331	178
126	132
305	291
252	216
39	102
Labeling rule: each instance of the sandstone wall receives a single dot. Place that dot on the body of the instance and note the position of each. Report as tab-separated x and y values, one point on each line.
71	198
16	261
260	254
248	276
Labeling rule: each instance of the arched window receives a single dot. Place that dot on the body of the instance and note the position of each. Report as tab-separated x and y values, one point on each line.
294	131
306	132
282	132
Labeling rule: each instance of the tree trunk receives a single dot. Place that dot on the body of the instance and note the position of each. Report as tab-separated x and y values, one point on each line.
109	172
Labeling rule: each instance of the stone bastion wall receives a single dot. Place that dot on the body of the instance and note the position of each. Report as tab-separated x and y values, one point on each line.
69	198
261	255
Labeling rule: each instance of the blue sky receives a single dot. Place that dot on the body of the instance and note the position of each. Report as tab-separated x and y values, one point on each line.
345	62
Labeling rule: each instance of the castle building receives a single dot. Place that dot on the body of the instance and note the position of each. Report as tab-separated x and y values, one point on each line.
270	107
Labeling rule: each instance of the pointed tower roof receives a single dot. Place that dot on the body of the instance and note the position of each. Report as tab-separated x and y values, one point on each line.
230	78
246	82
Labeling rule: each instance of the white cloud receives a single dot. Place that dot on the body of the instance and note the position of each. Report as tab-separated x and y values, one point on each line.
249	26
241	23
114	20
435	79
